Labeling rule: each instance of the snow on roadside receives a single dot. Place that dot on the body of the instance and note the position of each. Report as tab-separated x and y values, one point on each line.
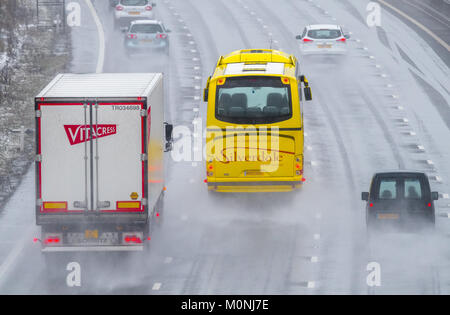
3	59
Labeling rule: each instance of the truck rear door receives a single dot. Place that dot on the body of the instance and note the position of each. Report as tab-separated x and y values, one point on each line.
92	157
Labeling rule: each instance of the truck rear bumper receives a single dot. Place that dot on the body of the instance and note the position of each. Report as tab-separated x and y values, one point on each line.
254	186
56	249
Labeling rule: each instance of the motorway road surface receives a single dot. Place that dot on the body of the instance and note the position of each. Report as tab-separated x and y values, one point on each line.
384	106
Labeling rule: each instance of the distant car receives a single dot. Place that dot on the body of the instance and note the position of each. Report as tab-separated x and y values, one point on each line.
400	199
323	39
146	35
113	3
129	10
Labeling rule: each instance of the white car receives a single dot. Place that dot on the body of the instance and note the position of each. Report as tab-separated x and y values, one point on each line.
323	39
130	10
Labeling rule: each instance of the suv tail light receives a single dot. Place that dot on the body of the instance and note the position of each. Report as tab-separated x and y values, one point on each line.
343	39
162	36
119	8
148	8
132	36
305	40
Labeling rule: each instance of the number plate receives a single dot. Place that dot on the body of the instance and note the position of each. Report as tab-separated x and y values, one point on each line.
134	13
93	237
388	216
324	46
146	41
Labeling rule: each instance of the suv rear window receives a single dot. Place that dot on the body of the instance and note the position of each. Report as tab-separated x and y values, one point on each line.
146	28
388	189
134	2
401	186
413	189
324	34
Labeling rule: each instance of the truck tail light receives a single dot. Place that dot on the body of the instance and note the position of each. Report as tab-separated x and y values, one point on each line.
52	239
131	238
128	205
148	8
119	8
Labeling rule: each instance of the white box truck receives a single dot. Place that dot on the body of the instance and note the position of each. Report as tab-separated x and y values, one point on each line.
100	142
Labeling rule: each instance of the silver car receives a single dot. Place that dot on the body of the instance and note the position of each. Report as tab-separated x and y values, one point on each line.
129	10
144	36
323	39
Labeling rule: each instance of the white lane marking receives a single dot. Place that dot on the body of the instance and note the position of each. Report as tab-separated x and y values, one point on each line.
101	37
311	285
429	162
156	286
317	236
14	254
421	26
168	260
314	259
437	178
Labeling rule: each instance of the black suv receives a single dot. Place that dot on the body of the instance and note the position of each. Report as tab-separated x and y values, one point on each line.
400	199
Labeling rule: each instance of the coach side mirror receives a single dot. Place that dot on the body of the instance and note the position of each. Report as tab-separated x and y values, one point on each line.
168	130
301	78
308	94
298	37
434	195
365	196
206	90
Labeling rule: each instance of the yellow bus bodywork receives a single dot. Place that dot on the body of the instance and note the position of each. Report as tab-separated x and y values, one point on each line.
255	157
